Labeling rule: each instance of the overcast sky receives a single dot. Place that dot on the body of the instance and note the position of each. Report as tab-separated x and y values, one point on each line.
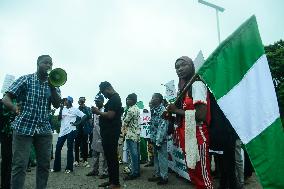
133	44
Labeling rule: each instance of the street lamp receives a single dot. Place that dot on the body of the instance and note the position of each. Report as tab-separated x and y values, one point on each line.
218	9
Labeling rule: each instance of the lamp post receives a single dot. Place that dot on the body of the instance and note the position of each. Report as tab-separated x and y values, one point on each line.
218	9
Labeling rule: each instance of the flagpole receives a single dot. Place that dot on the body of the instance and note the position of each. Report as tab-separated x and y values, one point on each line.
218	26
218	9
188	84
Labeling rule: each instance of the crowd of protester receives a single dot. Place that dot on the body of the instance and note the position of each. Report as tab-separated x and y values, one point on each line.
195	122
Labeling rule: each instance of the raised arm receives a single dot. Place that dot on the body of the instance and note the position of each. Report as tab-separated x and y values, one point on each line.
55	97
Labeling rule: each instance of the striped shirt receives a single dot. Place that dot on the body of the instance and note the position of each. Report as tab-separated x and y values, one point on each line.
35	98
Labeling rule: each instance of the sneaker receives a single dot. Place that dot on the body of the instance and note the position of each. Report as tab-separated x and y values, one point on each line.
103	176
76	164
126	170
85	164
149	165
105	184
143	162
162	181
92	173
67	171
114	186
154	179
53	171
130	177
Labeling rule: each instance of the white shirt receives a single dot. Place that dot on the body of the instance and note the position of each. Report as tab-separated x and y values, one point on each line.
69	116
199	92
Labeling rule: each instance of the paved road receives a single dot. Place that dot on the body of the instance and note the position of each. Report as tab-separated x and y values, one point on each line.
78	180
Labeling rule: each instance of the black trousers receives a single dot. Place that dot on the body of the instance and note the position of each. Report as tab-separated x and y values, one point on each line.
228	178
110	144
248	166
6	163
90	143
81	143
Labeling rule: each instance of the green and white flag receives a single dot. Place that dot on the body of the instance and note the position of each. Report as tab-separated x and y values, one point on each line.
238	75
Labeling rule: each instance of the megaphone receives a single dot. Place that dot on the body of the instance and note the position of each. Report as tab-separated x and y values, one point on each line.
57	77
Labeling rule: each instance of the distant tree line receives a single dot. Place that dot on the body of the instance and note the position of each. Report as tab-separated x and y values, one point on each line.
275	56
54	121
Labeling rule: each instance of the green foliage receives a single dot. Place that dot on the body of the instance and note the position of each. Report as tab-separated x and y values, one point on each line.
54	121
275	56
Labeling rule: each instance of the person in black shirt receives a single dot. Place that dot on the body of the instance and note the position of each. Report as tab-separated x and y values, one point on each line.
81	141
110	126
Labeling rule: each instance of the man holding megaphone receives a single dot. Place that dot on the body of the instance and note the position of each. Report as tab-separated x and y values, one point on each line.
36	94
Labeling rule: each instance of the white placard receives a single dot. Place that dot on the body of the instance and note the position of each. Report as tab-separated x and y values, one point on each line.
145	119
176	160
9	79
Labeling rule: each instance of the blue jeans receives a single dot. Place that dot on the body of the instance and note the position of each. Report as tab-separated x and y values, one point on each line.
70	157
21	153
134	152
161	161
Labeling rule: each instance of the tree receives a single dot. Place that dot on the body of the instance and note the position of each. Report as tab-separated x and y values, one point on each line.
275	56
54	121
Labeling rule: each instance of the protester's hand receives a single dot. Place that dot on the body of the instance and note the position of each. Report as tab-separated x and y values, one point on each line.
171	108
50	85
123	131
165	115
158	147
75	124
61	105
17	108
95	110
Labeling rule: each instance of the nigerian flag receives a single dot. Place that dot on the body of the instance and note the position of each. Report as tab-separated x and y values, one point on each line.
238	75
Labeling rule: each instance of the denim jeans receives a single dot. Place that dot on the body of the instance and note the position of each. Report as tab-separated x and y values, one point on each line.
134	152
21	152
70	137
161	161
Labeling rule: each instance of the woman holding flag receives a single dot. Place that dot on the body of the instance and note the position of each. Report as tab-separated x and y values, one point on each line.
191	135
